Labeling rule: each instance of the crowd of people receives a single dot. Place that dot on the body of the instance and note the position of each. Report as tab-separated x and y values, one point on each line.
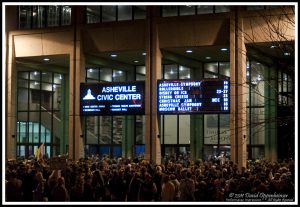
119	180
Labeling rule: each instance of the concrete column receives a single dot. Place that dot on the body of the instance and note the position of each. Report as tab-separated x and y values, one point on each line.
271	141
77	75
10	97
153	73
238	128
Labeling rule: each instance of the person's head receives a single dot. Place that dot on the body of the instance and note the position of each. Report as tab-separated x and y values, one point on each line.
61	181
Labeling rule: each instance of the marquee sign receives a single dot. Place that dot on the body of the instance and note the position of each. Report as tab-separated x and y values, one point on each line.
112	98
193	96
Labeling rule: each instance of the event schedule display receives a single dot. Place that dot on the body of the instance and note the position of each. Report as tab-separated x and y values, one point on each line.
114	98
193	96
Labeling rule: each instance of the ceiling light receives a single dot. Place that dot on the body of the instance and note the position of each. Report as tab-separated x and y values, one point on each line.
46	59
272	46
207	58
287	53
144	53
189	51
113	55
136	61
224	49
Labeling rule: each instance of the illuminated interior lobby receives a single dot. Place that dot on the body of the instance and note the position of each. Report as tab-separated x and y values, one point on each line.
51	49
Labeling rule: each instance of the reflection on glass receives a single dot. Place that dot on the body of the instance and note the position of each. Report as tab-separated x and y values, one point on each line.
108	13
139	12
168	11
124	13
66	15
119	75
205	9
140	129
171	72
106	74
210	129
187	10
117	129
224	69
105	129
53	16
93	14
184	72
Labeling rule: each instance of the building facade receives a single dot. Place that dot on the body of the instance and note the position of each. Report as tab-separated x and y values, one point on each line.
51	49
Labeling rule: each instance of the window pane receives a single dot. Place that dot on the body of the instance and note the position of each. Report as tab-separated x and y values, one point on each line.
119	76
117	129
224	69
170	125
22	95
58	78
53	16
255	7
204	9
66	15
220	9
184	129
212	67
34	117
25	17
171	72
41	16
108	13
105	129
168	11
47	77
139	12
124	13
106	74
46	96
258	126
140	129
93	73
57	89
92	130
209	75
210	129
184	72
224	129
187	10
92	14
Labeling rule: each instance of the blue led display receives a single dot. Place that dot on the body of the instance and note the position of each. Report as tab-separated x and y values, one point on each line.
113	98
193	96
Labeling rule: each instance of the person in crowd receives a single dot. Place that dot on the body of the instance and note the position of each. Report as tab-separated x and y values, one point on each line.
187	187
148	189
59	192
76	193
168	191
13	187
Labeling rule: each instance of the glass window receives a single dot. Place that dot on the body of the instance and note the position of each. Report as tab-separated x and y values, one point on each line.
258	126
212	67
92	130
109	13
25	17
119	76
117	129
184	129
93	73
170	72
220	9
184	72
187	10
139	12
93	14
53	16
210	129
66	15
46	77
205	9
170	127
209	75
255	7
140	129
38	17
106	74
224	128
124	13
224	69
168	11
105	129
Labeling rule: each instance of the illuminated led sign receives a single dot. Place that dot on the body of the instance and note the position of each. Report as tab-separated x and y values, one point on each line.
193	96
114	98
